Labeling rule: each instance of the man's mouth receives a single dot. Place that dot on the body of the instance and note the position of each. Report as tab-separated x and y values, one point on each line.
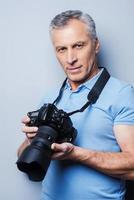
73	69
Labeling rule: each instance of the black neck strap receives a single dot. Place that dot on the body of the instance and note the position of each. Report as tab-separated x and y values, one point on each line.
60	92
93	94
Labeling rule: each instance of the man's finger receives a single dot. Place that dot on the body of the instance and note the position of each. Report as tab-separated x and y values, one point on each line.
58	156
31	135
25	119
27	129
64	147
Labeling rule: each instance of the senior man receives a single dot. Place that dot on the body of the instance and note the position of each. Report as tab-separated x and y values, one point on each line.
102	157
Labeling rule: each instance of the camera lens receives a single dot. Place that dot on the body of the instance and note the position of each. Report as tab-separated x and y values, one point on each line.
36	158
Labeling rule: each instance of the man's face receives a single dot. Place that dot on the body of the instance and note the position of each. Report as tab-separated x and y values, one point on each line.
76	51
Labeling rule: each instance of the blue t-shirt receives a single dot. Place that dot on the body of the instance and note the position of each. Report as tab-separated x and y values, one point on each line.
69	180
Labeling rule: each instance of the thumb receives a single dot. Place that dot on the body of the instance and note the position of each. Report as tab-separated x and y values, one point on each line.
64	147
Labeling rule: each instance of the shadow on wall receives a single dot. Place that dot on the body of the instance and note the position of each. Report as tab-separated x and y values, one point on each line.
101	60
130	190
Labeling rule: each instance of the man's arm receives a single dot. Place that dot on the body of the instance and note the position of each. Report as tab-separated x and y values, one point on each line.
116	164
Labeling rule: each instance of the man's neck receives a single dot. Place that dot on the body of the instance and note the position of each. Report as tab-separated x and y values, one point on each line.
75	85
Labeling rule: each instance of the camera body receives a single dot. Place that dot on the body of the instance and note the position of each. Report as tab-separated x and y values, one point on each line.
54	126
59	120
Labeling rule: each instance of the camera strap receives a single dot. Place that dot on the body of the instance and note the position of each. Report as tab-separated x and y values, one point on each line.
60	92
94	93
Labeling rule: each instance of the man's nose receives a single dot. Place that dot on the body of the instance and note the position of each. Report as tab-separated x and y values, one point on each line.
71	57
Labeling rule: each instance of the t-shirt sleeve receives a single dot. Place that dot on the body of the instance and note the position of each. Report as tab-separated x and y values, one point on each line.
124	106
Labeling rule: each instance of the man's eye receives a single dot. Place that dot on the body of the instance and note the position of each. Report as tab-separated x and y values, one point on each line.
61	50
79	46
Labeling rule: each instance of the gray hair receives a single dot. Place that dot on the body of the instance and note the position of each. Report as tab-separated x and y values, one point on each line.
62	19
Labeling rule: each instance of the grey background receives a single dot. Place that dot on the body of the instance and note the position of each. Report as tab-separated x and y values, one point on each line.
28	68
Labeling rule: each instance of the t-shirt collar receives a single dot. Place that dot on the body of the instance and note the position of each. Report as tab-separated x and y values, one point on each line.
88	84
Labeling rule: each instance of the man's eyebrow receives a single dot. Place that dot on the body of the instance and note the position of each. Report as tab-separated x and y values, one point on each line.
81	42
58	47
75	43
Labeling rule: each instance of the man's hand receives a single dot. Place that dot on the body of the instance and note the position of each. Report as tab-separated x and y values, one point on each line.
62	151
30	134
29	131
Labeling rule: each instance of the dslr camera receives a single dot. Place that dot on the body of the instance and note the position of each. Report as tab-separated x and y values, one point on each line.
54	125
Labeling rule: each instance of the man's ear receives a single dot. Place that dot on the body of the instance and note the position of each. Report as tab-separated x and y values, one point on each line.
97	46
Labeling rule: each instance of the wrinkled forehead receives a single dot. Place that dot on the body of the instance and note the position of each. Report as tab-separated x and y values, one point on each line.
75	30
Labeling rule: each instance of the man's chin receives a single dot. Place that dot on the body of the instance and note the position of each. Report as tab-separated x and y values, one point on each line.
75	77
77	80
